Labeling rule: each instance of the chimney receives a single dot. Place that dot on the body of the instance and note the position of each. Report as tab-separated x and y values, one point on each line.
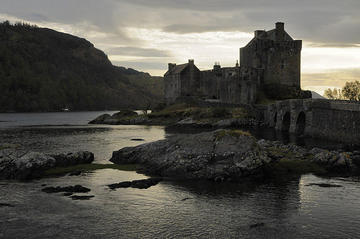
279	26
191	61
171	66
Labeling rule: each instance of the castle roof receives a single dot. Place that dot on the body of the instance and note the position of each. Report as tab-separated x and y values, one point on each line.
177	69
271	34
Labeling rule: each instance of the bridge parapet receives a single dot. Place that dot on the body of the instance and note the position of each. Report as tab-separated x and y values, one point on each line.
330	119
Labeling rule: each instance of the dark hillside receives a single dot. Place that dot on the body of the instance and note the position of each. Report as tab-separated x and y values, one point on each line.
45	70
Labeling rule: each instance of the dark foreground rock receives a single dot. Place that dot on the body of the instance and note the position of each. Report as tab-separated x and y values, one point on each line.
141	184
6	205
232	155
67	189
77	197
332	161
124	117
32	164
217	155
324	185
64	160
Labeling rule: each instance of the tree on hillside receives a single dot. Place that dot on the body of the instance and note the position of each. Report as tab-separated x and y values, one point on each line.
351	91
333	94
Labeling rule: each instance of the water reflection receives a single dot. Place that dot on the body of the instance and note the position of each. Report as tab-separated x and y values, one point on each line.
275	135
101	140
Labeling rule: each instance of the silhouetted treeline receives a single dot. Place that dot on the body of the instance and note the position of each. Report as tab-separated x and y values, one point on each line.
45	70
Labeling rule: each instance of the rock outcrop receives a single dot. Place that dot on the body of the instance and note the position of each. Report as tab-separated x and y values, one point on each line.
232	155
333	161
218	155
124	117
32	164
140	184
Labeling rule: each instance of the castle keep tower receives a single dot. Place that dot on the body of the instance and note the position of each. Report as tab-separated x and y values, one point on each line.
277	54
269	69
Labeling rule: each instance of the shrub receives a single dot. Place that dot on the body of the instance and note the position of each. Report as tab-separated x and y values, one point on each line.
220	112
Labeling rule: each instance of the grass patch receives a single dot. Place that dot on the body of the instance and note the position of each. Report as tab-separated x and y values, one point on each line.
298	167
88	168
285	167
234	133
279	153
178	112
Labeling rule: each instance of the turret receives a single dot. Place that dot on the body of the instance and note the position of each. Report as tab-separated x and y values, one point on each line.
279	26
171	66
280	32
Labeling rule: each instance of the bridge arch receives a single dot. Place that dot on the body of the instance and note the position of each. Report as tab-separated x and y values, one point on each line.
300	123
286	120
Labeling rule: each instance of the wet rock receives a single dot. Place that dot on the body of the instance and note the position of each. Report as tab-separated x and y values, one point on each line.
260	224
100	119
6	205
124	117
125	184
209	155
67	194
27	166
75	173
137	139
82	157
70	189
77	197
145	183
184	199
32	164
141	184
324	185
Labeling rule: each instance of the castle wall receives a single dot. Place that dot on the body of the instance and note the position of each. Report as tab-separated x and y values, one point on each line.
210	84
283	64
190	81
172	87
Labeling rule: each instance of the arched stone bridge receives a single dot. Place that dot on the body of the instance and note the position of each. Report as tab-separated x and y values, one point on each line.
331	119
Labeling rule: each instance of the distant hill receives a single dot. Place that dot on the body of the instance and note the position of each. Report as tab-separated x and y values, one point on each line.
316	95
45	70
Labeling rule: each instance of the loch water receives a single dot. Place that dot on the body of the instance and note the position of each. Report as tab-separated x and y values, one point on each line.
171	209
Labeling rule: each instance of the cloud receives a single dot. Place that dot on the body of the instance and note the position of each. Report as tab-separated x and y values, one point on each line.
207	30
138	51
333	45
318	21
140	64
331	79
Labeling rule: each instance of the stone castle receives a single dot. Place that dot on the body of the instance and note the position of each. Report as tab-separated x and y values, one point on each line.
269	68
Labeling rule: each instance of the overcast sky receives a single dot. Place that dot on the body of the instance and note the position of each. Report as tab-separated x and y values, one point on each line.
147	34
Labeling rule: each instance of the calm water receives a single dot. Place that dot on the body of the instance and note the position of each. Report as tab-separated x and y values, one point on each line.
171	209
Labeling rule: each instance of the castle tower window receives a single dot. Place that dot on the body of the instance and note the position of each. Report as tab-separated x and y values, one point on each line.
282	64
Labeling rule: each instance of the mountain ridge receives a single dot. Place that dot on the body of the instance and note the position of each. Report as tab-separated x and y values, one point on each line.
45	70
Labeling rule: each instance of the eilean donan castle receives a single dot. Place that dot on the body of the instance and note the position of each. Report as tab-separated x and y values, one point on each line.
269	67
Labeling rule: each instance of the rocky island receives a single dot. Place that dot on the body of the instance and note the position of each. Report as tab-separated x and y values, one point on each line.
233	155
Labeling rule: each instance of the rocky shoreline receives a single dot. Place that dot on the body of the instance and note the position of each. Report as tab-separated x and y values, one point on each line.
231	155
195	117
31	165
